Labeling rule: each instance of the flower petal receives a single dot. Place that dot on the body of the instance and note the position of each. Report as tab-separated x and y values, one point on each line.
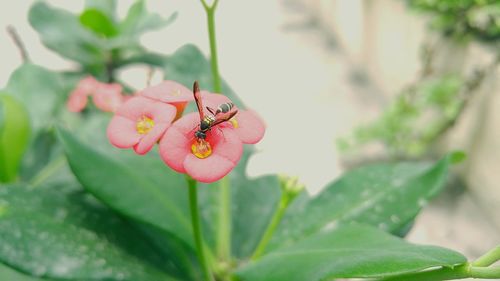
108	97
174	147
188	123
209	169
122	132
151	138
169	92
77	101
225	143
139	106
88	85
227	149
250	128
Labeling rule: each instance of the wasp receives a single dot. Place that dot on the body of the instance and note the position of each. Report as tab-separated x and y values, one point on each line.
223	108
224	112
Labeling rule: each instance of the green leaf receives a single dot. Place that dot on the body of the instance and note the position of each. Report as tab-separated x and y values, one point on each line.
14	136
62	32
139	20
348	252
40	90
67	234
108	7
388	196
8	273
98	22
144	57
253	202
457	157
43	93
142	188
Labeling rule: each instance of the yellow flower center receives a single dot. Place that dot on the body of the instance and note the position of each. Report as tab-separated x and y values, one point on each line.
234	122
144	125
176	93
201	148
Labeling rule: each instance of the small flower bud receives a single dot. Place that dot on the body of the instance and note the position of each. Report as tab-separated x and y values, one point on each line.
290	185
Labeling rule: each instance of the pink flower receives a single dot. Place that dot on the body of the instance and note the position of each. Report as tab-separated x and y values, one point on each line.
108	97
184	153
246	124
77	100
170	92
140	123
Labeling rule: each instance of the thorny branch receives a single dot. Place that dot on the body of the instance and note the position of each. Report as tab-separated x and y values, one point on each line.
18	42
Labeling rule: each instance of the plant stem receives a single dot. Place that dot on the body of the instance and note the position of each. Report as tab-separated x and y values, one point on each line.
214	63
489	258
459	272
19	43
275	220
224	220
48	170
213	50
485	272
195	220
224	212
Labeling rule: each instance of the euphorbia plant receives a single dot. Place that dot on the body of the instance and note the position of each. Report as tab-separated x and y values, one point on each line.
115	215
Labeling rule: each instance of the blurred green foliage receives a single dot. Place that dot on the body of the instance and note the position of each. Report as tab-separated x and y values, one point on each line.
96	39
422	112
14	136
477	19
413	121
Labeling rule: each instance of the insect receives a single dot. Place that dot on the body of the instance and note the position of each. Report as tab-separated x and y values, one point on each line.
201	148
223	108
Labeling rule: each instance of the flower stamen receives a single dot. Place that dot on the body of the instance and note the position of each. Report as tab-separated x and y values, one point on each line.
234	122
201	148
176	93
144	125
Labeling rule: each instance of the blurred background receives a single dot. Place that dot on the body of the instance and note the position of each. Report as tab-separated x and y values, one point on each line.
346	82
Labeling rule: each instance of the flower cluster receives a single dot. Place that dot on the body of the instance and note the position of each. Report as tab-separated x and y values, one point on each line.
155	115
106	97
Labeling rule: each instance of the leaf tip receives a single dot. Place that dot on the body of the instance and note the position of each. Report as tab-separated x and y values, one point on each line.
456	157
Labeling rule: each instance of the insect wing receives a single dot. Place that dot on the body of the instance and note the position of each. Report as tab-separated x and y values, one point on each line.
211	110
222	117
197	99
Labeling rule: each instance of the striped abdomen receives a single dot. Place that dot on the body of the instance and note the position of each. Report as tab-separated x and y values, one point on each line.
224	108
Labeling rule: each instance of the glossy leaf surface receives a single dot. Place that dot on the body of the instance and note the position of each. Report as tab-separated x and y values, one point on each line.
387	196
348	252
142	188
66	234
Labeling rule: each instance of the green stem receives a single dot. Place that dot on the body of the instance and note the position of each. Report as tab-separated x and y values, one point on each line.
460	272
489	258
195	220
485	272
48	170
224	222
214	62
224	211
275	220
